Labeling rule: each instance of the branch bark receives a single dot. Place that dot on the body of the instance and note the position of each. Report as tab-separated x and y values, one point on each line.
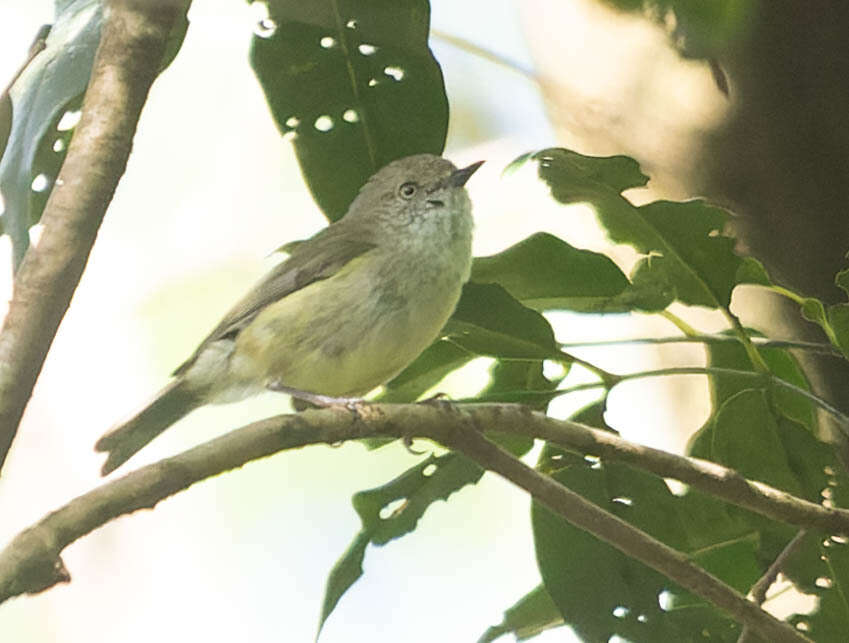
32	563
132	45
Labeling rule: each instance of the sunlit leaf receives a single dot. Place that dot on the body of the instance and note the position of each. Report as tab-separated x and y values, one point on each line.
683	240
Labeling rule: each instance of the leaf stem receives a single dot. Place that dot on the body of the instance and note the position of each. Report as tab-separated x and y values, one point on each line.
754	356
679	323
813	347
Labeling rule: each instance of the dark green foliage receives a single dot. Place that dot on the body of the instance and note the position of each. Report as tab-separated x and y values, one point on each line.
357	86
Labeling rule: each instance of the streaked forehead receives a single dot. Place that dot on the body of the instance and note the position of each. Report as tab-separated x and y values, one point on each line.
422	168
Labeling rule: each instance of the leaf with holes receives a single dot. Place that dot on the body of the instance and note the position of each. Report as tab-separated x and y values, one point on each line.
823	562
532	614
683	240
394	509
602	592
355	84
747	434
488	321
53	80
51	85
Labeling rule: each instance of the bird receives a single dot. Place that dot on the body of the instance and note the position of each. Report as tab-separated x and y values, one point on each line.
346	311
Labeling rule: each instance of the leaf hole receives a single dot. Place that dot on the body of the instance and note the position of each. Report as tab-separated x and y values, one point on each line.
291	135
366	49
557	457
553	370
429	470
824	582
593	460
69	120
351	24
323	123
827	470
350	116
840	540
265	28
622	500
372	82
59	145
803	626
620	611
642	618
392	508
664	600
713	234
394	72
293	122
40	183
327	42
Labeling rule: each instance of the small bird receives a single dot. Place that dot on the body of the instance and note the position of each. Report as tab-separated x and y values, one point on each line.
346	311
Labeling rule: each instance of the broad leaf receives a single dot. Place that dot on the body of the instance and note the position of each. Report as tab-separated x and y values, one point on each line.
54	80
544	272
355	85
600	591
684	241
51	86
488	321
439	359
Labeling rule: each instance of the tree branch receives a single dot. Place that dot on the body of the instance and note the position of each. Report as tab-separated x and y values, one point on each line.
132	45
32	563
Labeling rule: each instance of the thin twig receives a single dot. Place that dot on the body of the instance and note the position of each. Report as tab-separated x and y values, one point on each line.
37	46
485	54
132	46
812	347
760	588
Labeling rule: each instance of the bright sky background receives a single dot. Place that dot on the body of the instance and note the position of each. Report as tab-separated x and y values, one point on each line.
210	190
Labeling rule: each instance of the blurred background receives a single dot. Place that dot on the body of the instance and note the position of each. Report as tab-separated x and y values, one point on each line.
211	190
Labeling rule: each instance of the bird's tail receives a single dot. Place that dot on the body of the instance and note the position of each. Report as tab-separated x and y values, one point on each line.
169	405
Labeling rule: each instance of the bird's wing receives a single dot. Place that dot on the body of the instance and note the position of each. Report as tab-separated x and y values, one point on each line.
311	260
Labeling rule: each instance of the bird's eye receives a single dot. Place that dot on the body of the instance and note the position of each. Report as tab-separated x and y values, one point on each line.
407	190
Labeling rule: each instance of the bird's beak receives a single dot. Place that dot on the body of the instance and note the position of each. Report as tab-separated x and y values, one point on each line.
458	178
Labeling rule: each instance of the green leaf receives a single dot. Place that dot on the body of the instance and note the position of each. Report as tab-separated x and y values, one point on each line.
54	80
488	321
602	592
825	563
583	178
52	84
838	319
393	510
429	368
356	85
435	478
684	240
532	614
745	438
344	574
544	272
781	363
841	280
